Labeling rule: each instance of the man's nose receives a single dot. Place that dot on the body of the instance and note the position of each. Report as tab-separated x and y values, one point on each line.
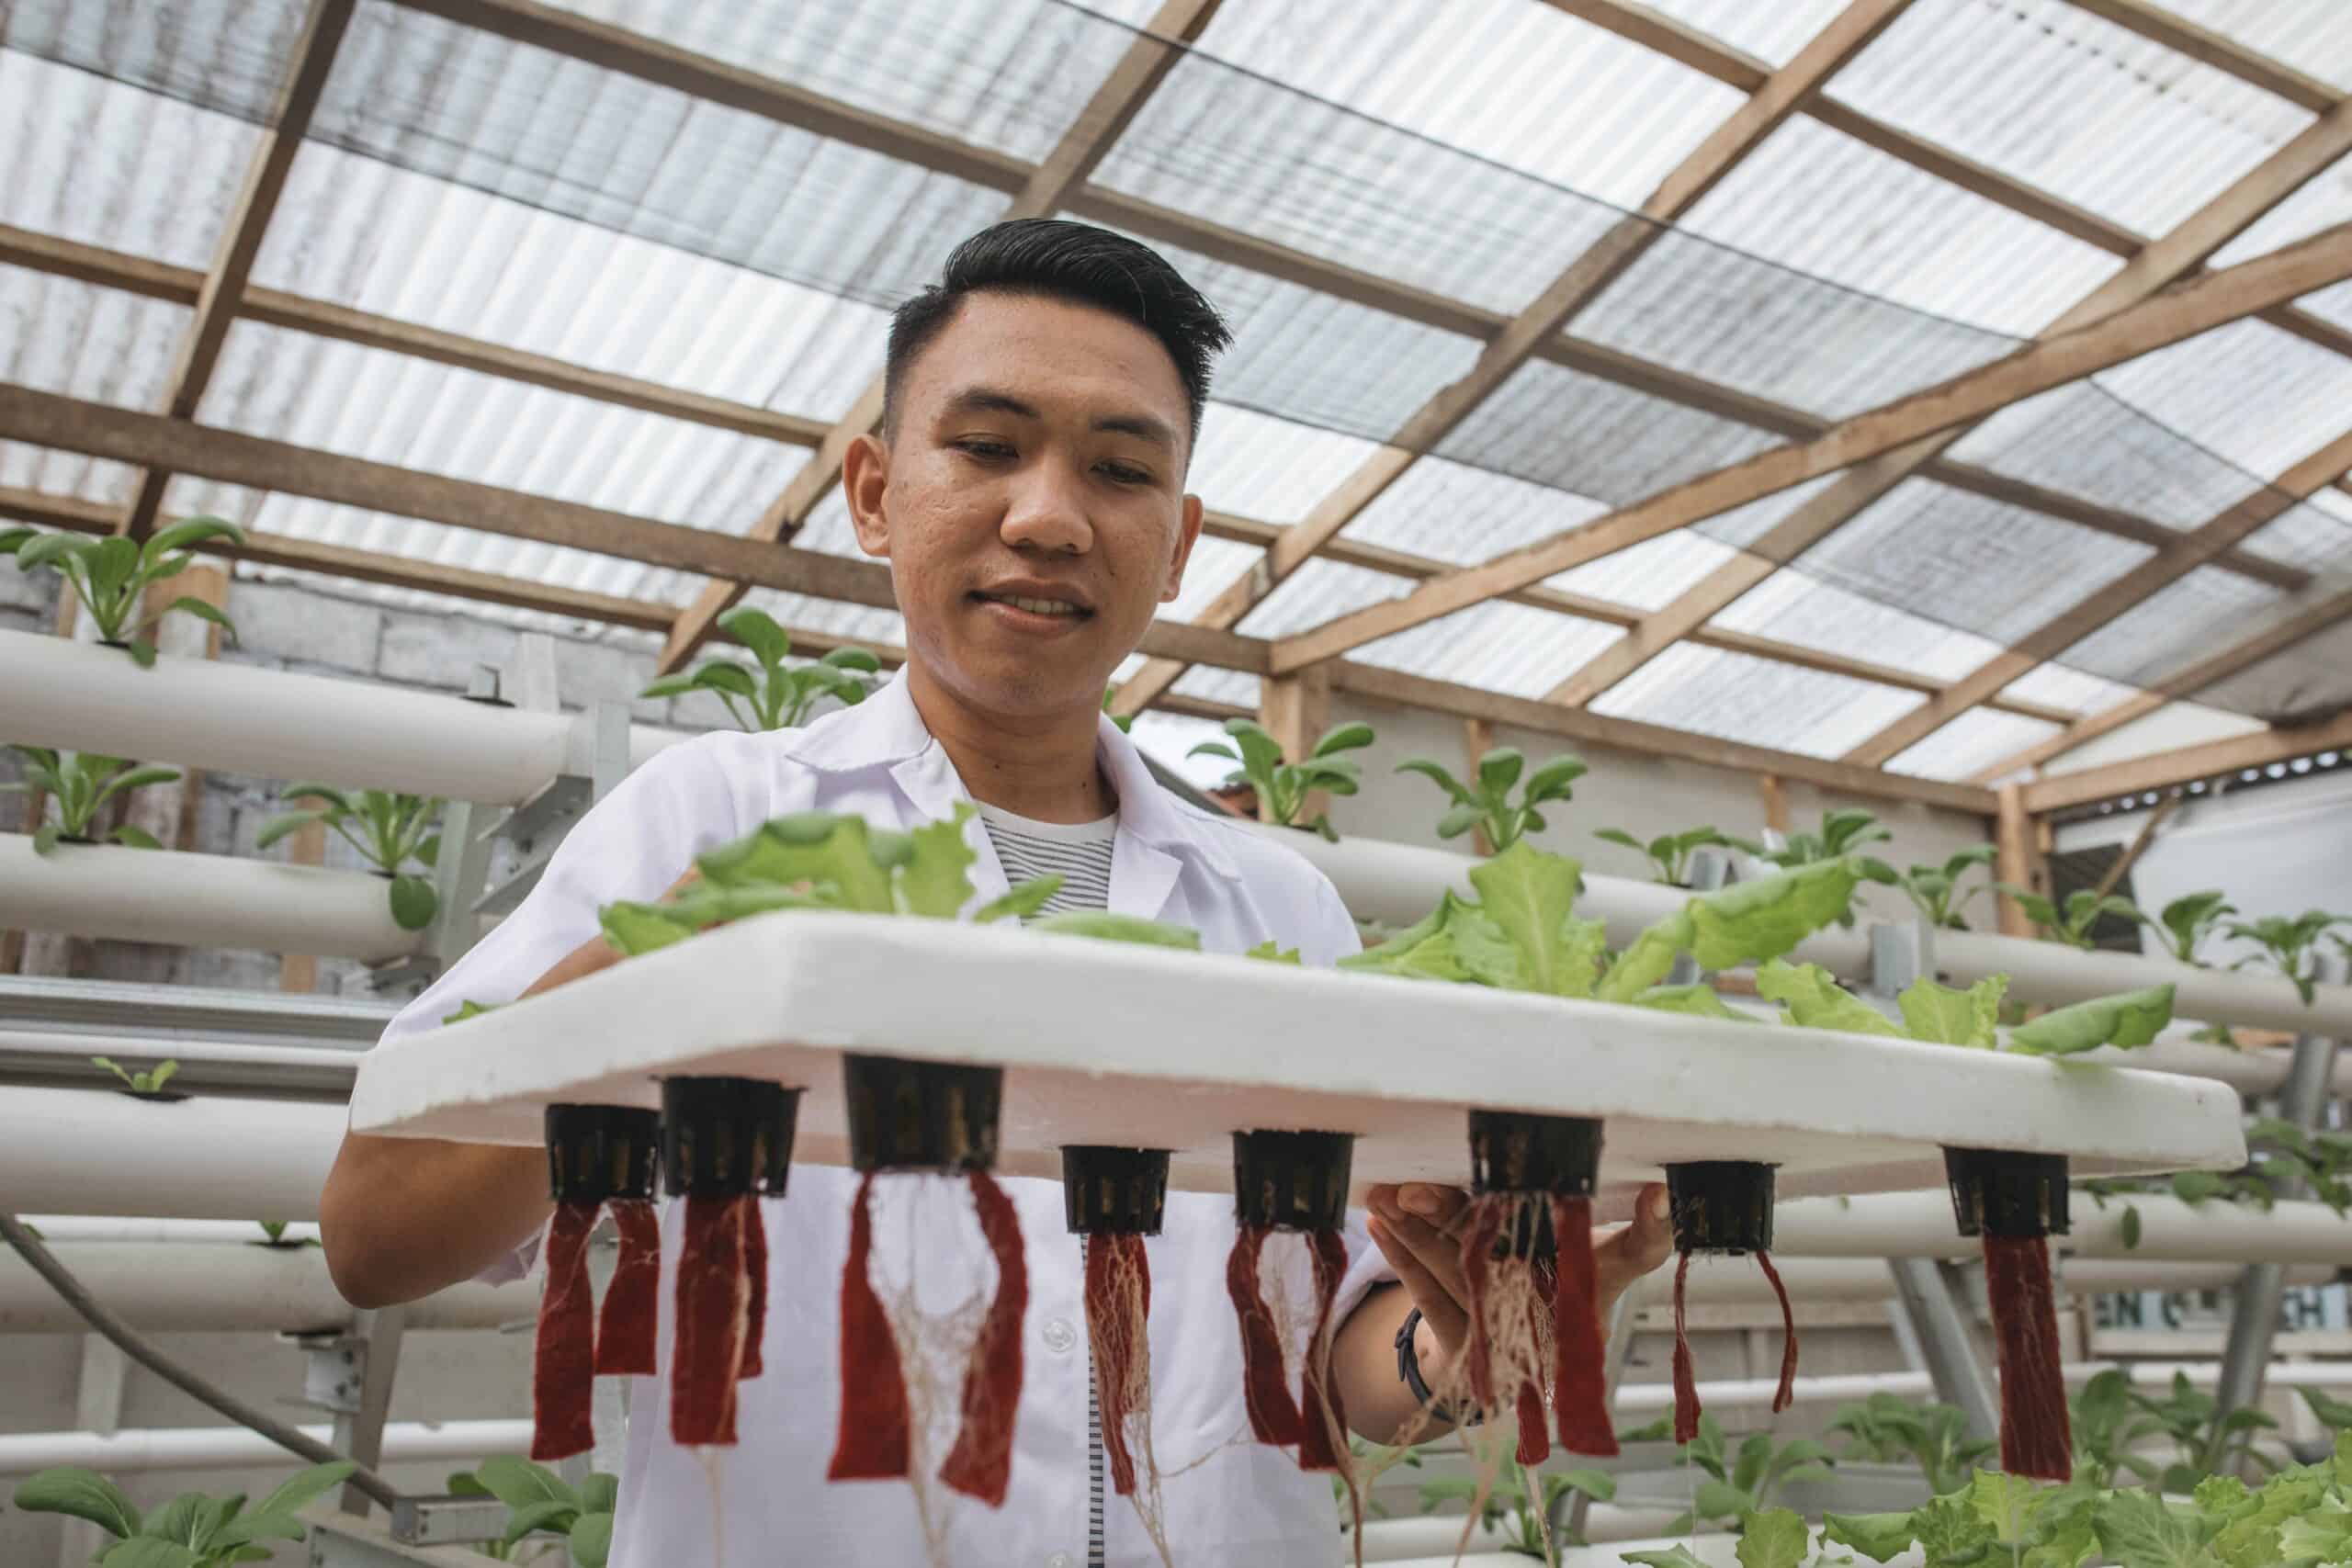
1048	512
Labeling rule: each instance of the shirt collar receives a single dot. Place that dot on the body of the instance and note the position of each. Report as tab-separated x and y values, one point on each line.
885	731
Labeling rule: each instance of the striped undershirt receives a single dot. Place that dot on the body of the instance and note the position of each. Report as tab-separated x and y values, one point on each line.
1079	853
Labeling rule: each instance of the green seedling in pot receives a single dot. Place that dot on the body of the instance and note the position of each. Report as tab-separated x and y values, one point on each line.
192	1531
80	783
2289	945
2184	924
2074	922
111	576
541	1505
773	695
1485	801
1669	853
388	829
1283	786
1934	890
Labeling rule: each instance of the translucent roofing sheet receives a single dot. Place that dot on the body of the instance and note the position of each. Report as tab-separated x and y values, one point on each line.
2201	614
1254	464
1215	564
2059	686
1558	426
2315	36
2316	536
1815	199
1652	574
1214	685
2310	680
1453	513
1737	697
1484	76
1976	739
2331	305
1316	592
1168	736
1797	607
2089	443
1514	648
2046	92
1773	33
2256	394
100	345
2325	201
47	471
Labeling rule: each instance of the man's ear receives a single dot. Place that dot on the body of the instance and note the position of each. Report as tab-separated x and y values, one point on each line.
1187	536
865	475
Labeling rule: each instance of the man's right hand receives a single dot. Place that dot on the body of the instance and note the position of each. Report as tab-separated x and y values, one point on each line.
400	1218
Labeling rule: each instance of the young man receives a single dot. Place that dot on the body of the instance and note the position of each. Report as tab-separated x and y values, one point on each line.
1027	488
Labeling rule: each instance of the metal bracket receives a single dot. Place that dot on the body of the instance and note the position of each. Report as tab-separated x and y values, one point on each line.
448	1521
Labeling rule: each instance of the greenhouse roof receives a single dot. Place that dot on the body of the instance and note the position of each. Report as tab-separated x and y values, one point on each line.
1577	342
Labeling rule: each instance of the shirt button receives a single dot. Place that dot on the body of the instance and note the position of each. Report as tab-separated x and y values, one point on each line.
1060	1338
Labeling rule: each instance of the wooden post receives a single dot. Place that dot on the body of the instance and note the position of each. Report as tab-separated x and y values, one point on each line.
306	846
1477	740
2016	859
1776	802
1296	710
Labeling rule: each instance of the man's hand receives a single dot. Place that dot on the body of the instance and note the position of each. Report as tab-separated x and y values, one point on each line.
1418	1228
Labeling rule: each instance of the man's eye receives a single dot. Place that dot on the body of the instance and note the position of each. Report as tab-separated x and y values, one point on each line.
979	447
1126	474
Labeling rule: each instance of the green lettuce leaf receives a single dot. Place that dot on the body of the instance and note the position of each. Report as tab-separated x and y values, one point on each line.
1878	1537
1699	1000
1951	1534
1945	1017
1817	1001
1751	921
1274	952
1530	896
1672	1557
809	849
2131	1018
1430	948
934	882
1648	960
2137	1531
2251	1537
1103	926
1775	1538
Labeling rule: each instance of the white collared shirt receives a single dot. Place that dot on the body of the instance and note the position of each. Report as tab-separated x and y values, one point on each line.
1227	1500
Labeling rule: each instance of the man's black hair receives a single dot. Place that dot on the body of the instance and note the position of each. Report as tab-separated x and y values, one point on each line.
1059	260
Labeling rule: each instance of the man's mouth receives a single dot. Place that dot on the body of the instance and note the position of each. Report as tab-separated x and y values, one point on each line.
1036	605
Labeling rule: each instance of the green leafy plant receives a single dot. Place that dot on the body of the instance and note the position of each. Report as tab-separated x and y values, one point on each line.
151	1082
1485	802
1844	831
111	576
1283	786
274	1235
773	695
80	783
1940	1015
2288	945
2184	923
1519	1505
1739	1485
1886	1428
1669	853
540	1504
1934	890
192	1531
2072	921
388	829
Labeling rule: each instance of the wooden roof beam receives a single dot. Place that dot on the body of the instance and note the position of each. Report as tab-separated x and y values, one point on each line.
2212	759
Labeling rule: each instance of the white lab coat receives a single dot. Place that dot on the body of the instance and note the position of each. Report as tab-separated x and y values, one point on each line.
1237	1503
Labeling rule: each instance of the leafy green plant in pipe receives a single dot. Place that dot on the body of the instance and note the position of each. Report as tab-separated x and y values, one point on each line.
540	1504
1283	786
2289	945
388	829
80	783
1886	1428
2072	921
1935	890
1485	801
151	1082
1669	853
1844	831
773	695
111	576
192	1531
2184	924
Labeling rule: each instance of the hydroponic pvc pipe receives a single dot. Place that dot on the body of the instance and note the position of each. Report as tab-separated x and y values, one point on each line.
1727	1281
1643	1398
2053	974
42	1059
229	1448
206	713
96	1152
208	1286
197	901
1919	1224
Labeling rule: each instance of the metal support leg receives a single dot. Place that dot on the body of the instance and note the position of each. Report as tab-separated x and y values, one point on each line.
611	764
349	1374
97	1407
1928	1295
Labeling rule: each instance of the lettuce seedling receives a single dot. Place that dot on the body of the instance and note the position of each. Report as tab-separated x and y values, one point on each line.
111	576
1934	890
1283	787
2187	921
2288	945
151	1082
388	829
1669	853
1843	831
80	782
1486	802
775	695
192	1531
1940	1015
540	1502
2074	922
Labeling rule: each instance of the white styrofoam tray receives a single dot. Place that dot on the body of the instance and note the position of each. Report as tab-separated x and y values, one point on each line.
1109	1042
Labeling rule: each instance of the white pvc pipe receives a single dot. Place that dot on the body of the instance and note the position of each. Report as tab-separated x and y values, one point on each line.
2251	1072
2054	973
237	719
1414	1539
1919	1224
197	901
60	1230
234	1447
96	1152
225	1286
1641	1398
1737	1280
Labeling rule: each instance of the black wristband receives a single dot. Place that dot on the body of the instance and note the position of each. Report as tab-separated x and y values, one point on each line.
1408	1373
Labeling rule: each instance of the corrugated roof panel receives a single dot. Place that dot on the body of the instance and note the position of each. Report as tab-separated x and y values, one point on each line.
1515	648
1816	201
1453	513
2331	305
1757	701
2325	201
2201	614
1214	565
1652	574
1977	739
2308	680
2316	536
226	55
1254	464
1795	606
2053	95
1317	591
1558	426
1485	75
107	164
2062	687
2311	35
361	232
1773	32
1214	685
2256	394
47	471
102	344
2087	441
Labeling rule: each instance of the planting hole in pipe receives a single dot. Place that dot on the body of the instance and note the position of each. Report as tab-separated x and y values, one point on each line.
2015	1202
923	1121
599	1157
1113	1198
725	1144
1722	1207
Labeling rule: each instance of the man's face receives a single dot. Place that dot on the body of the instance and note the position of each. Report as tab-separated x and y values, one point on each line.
1030	500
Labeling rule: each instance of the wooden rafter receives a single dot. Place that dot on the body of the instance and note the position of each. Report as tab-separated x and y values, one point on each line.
232	262
2211	301
2211	758
1550	313
2097	609
2199	43
2326	608
2179	254
1139	71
